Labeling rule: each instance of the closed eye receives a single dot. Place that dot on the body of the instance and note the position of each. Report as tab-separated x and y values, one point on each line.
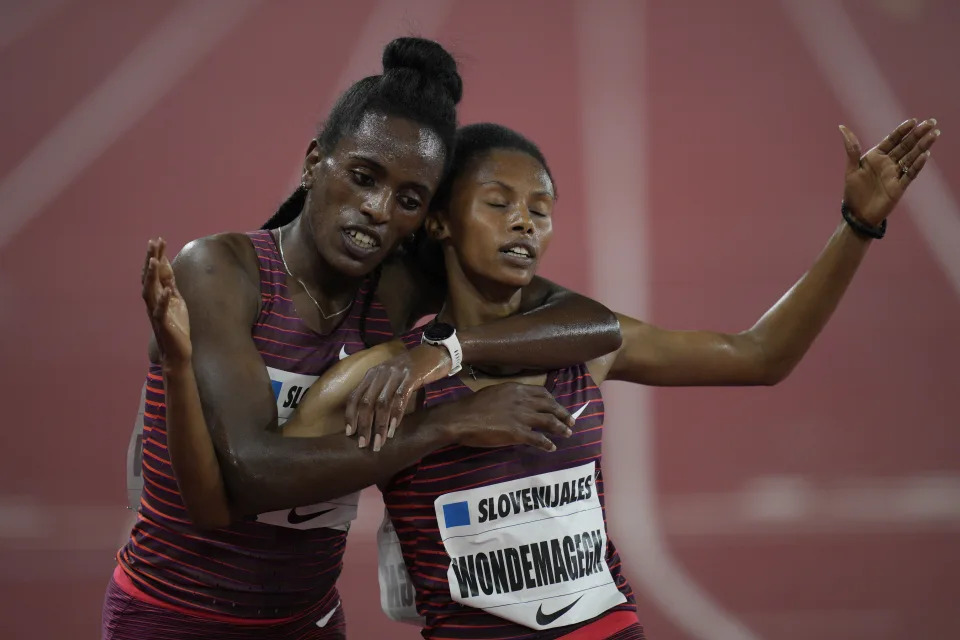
497	205
538	213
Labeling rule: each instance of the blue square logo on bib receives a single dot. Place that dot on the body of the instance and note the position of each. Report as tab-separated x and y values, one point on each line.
277	385
456	514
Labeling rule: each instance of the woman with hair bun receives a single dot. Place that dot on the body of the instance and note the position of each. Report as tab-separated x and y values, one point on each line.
272	311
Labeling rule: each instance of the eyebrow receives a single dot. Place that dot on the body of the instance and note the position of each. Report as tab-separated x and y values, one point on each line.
382	169
509	188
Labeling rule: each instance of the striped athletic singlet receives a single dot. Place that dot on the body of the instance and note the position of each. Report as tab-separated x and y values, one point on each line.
277	564
511	542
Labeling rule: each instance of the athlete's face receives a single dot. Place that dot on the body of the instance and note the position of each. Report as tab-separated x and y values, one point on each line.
499	222
371	191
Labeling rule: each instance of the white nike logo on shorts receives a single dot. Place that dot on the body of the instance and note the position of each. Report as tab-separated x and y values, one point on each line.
343	351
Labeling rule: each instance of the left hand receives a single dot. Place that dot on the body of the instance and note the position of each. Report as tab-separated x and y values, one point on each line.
380	401
165	306
876	180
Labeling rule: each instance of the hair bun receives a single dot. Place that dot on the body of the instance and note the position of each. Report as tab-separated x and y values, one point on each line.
425	57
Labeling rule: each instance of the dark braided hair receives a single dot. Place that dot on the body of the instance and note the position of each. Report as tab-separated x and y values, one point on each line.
419	82
472	142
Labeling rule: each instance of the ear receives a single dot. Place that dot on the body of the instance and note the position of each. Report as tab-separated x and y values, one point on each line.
310	163
436	225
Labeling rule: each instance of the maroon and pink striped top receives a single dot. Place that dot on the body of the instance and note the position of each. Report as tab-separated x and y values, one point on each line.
411	496
275	565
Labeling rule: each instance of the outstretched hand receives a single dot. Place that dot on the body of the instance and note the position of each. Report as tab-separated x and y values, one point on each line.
165	306
875	181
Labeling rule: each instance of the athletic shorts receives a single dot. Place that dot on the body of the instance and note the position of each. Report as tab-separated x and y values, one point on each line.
128	617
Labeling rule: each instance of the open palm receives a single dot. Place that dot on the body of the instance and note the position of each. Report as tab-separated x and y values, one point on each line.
875	181
165	306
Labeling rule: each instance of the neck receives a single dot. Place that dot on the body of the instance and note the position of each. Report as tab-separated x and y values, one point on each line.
472	301
304	262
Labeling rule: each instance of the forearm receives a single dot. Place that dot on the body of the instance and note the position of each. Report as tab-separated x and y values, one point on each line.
278	473
565	329
192	455
786	331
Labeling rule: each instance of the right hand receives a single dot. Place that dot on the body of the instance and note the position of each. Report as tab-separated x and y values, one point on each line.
165	306
507	414
379	402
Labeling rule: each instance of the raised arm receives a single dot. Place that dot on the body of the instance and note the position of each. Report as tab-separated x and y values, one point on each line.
767	352
259	470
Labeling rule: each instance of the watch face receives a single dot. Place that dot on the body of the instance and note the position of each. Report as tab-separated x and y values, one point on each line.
438	331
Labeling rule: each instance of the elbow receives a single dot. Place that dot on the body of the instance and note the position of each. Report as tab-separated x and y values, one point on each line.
768	367
240	479
611	333
775	371
773	377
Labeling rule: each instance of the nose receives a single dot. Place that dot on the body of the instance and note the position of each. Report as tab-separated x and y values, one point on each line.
522	221
376	206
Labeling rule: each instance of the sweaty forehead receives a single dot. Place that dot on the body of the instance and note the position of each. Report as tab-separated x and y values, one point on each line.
392	140
517	169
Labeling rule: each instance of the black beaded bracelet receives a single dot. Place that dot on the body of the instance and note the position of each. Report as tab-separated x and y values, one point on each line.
861	227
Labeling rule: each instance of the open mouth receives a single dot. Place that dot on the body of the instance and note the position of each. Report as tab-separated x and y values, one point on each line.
362	240
520	253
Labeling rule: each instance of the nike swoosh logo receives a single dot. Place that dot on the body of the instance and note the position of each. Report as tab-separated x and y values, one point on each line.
343	351
543	619
577	413
322	622
298	518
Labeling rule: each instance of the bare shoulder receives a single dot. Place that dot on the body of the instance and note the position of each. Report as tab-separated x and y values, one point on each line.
219	274
221	252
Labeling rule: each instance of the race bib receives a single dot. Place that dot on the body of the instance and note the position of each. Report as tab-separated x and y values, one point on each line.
531	550
288	391
396	589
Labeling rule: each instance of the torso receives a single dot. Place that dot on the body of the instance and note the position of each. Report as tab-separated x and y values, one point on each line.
278	563
490	508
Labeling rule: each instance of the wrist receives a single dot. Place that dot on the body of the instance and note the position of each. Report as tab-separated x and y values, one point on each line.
176	367
444	336
440	355
441	426
863	227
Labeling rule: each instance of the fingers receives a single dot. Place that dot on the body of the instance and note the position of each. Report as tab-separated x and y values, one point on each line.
354	405
369	417
539	399
913	170
151	249
909	141
887	144
163	301
151	285
549	423
920	148
852	145
538	440
386	409
403	396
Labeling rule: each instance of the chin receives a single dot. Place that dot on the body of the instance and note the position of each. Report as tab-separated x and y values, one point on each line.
348	265
515	278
